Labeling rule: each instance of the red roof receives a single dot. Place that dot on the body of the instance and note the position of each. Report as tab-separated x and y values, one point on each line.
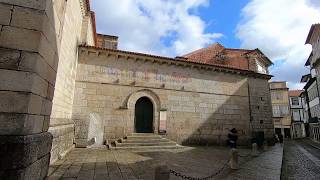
295	93
216	54
181	59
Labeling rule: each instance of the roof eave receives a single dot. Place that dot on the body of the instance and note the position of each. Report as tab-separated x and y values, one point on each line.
266	76
310	34
265	57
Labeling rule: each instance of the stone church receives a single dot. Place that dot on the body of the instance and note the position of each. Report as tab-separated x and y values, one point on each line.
63	84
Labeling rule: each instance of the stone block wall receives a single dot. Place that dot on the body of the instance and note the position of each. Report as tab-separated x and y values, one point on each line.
261	109
201	105
75	28
28	66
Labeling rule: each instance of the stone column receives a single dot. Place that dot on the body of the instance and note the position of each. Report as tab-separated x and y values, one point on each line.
28	66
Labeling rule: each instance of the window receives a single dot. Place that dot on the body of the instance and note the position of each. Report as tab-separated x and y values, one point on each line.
276	96
280	110
261	68
296	115
312	92
284	110
295	101
276	111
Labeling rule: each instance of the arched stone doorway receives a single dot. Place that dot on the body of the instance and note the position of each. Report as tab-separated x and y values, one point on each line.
130	103
144	115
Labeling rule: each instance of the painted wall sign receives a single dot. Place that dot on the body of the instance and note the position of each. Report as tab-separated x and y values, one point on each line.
148	75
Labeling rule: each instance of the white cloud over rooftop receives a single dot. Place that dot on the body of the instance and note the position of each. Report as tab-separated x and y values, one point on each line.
279	28
160	27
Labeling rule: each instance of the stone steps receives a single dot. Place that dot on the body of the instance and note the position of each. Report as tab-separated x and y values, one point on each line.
146	147
134	137
144	141
145	134
121	144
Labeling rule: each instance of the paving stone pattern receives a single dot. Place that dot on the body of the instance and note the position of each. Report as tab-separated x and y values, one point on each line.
191	161
266	166
301	161
105	164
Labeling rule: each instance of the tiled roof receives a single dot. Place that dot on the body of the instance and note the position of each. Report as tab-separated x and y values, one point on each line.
295	93
177	59
216	54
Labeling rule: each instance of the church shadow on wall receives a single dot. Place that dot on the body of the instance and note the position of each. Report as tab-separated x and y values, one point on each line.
234	112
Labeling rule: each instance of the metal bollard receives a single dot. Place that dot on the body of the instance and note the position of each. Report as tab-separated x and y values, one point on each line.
162	173
234	159
254	149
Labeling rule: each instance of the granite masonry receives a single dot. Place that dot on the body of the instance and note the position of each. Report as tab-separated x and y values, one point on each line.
60	82
201	102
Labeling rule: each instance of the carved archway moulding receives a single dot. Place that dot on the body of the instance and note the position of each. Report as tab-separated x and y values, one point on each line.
131	100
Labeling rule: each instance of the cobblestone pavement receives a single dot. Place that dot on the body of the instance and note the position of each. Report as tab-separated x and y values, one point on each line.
266	166
301	160
105	164
89	164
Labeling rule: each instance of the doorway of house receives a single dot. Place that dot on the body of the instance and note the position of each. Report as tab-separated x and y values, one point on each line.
144	115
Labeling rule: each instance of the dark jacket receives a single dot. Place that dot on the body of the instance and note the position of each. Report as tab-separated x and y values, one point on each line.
232	139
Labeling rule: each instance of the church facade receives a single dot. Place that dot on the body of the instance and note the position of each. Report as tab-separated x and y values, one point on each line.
78	84
192	99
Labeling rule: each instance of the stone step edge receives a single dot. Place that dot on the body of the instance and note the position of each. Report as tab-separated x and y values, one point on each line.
121	144
144	134
143	140
146	137
145	147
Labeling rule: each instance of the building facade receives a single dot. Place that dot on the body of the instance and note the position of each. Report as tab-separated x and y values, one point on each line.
280	108
63	84
312	84
299	115
297	106
201	101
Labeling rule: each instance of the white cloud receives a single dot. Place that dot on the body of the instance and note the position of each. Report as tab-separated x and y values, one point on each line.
154	26
279	28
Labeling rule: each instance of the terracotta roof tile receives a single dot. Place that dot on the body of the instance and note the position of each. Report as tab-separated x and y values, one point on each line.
295	93
216	54
177	59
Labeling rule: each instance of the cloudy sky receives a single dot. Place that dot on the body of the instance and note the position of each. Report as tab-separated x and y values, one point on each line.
175	27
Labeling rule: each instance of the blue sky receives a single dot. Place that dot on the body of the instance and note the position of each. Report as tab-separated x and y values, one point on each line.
176	27
223	16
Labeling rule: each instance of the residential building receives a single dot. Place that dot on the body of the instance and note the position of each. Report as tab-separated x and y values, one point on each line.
305	106
298	113
297	106
313	61
280	108
313	85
